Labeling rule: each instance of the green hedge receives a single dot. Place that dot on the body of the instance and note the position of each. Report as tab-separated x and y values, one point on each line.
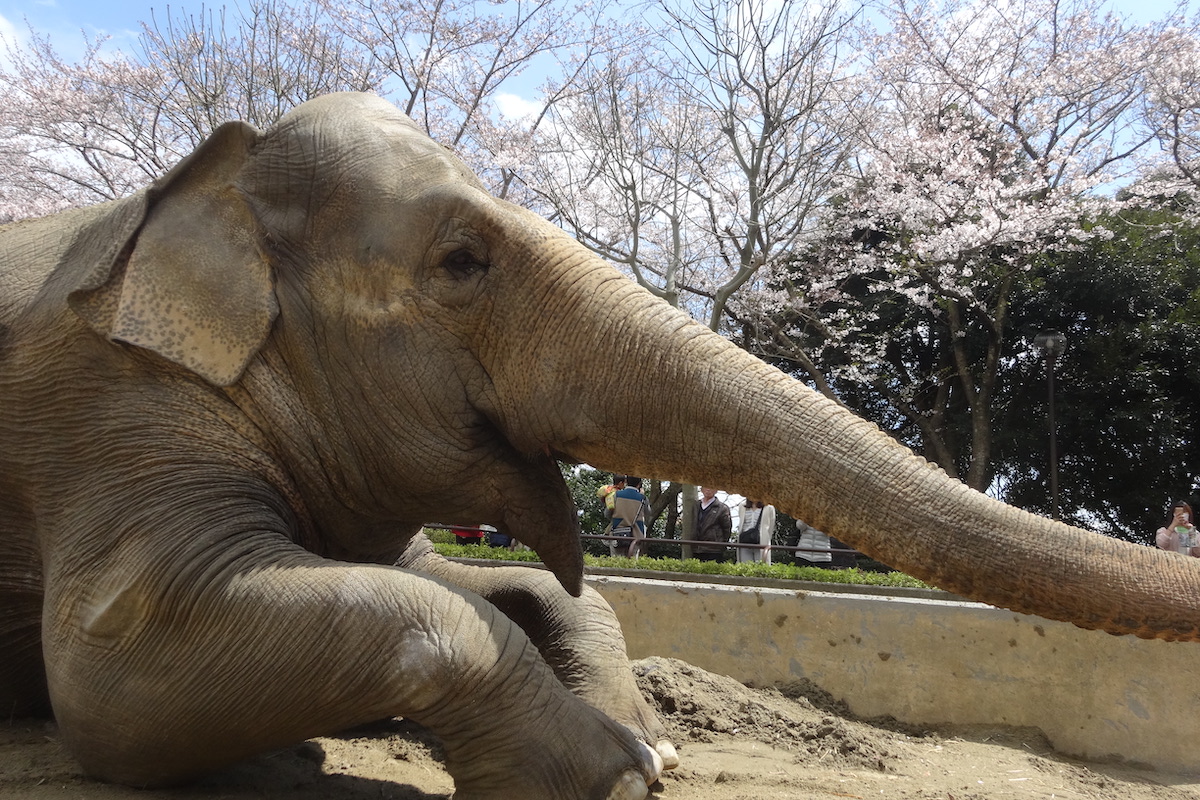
789	572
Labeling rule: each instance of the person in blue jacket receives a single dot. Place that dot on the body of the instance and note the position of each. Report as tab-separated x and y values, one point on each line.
629	518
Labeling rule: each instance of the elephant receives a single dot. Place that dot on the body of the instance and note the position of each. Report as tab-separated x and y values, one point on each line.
231	399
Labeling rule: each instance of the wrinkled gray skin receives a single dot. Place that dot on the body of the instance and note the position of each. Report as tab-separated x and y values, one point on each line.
229	401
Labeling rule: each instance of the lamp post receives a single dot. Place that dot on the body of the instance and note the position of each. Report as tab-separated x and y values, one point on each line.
1052	344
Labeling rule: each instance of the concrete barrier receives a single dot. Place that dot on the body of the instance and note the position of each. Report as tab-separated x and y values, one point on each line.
931	661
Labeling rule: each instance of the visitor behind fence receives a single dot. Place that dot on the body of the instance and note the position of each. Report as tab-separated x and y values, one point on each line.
467	535
816	546
1179	532
497	539
756	523
713	524
608	494
629	518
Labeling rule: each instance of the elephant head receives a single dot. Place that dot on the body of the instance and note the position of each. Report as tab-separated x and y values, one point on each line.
333	277
438	348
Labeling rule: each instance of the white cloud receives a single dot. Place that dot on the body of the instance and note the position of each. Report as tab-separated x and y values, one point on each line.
8	31
10	37
513	107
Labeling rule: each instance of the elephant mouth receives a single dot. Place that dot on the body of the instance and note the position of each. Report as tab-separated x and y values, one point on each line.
530	501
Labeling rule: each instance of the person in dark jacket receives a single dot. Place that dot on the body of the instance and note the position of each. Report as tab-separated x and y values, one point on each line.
713	524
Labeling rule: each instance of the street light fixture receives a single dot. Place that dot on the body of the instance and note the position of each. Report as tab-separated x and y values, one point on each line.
1052	344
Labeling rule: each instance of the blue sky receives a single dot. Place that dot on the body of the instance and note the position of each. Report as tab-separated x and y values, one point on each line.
63	19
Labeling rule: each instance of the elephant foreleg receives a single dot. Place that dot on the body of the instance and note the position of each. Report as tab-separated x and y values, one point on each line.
157	676
22	674
579	637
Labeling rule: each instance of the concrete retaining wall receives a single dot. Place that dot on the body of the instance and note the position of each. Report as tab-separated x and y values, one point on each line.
928	661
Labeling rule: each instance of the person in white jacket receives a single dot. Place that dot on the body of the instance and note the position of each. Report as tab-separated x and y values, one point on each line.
815	546
756	523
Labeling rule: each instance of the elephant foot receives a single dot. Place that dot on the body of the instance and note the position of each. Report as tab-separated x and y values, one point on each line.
632	711
622	700
634	785
582	642
572	782
665	749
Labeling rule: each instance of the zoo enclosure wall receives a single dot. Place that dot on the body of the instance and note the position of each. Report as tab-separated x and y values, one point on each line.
931	661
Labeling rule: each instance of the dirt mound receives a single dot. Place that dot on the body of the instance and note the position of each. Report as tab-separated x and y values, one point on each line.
697	706
735	742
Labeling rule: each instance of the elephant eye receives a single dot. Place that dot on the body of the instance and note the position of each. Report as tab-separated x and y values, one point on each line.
462	264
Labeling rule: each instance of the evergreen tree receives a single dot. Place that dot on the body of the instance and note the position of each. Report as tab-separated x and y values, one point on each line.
1127	386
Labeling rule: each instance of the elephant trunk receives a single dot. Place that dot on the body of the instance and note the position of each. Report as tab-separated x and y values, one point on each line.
696	408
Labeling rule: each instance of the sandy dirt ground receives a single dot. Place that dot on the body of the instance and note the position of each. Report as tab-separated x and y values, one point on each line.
735	743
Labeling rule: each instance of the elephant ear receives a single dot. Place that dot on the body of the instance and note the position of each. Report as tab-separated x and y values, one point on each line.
195	286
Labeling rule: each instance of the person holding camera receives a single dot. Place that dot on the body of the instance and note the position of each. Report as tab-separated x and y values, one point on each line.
1179	534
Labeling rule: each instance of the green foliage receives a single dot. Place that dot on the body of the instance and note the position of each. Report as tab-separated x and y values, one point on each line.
1127	389
485	552
693	567
583	482
439	535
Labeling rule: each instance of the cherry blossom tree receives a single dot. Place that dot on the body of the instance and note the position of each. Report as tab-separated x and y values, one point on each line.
774	85
255	64
857	207
999	124
1171	114
700	153
65	136
99	127
449	64
611	166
